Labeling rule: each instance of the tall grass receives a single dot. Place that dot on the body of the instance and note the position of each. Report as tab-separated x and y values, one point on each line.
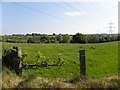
11	80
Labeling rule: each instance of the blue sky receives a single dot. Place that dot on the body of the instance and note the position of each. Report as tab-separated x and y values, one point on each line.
58	17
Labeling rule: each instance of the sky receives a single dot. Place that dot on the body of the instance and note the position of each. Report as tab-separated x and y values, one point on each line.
58	17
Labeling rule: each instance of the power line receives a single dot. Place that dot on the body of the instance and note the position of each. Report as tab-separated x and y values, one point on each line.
63	7
98	10
35	10
68	5
79	11
58	5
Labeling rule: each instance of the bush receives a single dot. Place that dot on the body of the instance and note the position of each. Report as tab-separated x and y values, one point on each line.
93	39
33	40
77	38
66	38
102	39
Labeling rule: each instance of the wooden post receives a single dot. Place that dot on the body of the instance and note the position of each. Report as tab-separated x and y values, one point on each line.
82	63
17	61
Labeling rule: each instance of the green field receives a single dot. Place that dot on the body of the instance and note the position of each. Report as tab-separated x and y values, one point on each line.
101	62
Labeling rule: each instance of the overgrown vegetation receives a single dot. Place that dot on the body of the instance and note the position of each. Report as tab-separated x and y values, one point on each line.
43	61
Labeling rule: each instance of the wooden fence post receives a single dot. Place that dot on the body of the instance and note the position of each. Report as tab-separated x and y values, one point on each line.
17	60
82	63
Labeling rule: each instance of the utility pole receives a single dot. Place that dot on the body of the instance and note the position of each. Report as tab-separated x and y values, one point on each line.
111	27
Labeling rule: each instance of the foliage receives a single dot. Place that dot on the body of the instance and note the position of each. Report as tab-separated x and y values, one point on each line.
41	60
77	38
44	38
30	40
23	57
33	40
102	39
66	38
60	61
93	39
52	40
118	37
60	38
7	57
107	38
114	38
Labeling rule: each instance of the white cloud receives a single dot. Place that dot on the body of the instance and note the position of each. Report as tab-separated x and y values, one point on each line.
75	14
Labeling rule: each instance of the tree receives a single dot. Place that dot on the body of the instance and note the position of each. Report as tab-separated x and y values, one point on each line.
102	39
33	40
52	39
93	39
54	34
77	38
107	38
44	38
114	38
59	38
30	40
66	38
118	37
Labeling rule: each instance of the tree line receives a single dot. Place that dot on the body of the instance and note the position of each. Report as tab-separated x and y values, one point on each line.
60	38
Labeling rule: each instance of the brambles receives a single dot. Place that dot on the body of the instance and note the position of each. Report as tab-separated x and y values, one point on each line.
41	60
60	61
23	56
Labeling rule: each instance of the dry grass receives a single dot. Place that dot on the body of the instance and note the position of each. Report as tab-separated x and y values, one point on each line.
40	82
10	80
107	82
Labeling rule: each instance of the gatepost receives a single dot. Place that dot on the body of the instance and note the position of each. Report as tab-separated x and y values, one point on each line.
17	60
82	64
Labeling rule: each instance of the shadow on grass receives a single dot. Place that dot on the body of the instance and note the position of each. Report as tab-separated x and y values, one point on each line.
74	79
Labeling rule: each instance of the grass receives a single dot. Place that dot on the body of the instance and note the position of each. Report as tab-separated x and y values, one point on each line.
40	82
11	80
101	62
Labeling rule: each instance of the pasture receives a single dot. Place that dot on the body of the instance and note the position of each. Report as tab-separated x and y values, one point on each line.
101	60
